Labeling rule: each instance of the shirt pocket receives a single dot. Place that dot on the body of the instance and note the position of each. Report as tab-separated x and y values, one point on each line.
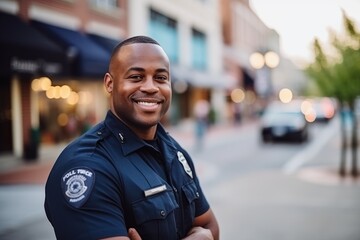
190	191
155	215
190	194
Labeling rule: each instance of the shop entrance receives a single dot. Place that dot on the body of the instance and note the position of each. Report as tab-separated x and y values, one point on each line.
5	117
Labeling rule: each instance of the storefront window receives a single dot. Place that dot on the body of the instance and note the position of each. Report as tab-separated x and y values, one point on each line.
69	109
199	50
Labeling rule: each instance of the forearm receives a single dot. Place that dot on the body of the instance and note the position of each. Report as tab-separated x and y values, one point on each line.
199	233
204	226
214	229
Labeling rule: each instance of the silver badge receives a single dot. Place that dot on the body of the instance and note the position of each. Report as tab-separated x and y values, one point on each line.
185	164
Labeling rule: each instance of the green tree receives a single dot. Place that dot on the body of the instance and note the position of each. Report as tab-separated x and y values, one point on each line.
337	75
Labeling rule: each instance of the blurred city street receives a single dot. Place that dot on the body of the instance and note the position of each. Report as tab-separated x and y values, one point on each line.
275	191
257	95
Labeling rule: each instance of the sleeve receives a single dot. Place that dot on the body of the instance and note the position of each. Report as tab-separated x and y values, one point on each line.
83	200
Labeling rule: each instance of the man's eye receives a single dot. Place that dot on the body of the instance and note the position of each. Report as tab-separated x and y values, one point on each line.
136	77
161	78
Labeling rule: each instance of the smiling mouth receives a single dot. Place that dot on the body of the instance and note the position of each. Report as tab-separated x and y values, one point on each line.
147	104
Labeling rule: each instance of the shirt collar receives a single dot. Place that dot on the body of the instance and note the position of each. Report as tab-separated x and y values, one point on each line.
130	142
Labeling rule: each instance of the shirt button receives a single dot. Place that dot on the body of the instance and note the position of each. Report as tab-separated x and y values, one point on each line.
197	194
163	213
99	133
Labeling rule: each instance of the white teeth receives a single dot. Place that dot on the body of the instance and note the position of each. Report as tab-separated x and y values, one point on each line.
147	103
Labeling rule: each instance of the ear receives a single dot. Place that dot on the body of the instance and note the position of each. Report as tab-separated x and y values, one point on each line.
108	82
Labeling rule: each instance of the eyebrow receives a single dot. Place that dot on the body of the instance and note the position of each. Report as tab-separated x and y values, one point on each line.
139	69
162	70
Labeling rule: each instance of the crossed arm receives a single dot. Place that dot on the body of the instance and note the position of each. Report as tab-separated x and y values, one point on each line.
205	227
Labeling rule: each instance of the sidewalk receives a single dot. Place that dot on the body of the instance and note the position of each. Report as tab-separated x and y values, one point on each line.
15	170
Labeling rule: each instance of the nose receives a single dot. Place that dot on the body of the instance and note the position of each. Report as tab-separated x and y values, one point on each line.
149	85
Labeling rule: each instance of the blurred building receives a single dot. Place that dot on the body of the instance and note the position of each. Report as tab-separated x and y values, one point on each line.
54	56
52	65
244	34
190	33
288	75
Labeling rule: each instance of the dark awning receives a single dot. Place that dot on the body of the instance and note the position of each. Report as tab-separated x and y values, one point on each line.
107	43
25	50
89	59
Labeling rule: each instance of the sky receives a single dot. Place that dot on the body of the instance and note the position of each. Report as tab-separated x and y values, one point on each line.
298	22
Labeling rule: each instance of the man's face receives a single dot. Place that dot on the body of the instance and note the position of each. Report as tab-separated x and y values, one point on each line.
140	85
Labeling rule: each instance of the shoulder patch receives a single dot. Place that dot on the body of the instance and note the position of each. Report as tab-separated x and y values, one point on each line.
77	184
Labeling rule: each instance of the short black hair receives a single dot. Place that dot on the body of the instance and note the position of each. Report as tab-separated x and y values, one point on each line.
132	40
138	39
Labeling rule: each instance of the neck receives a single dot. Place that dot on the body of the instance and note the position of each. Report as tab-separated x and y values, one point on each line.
143	132
146	134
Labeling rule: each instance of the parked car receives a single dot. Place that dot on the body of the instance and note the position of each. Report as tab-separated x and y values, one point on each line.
283	121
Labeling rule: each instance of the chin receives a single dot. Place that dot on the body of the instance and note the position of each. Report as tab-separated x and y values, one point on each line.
148	123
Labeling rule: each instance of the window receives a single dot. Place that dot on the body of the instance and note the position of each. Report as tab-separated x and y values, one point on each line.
164	30
104	4
199	50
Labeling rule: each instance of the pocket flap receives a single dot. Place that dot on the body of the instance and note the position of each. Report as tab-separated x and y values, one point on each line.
190	191
155	207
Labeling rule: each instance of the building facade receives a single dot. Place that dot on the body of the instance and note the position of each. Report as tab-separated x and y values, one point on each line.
53	68
244	34
190	32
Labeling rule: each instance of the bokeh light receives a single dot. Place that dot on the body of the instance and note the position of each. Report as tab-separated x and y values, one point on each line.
45	83
73	98
65	91
62	119
257	60
285	95
271	59
237	95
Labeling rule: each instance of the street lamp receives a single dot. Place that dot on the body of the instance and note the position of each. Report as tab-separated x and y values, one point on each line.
263	62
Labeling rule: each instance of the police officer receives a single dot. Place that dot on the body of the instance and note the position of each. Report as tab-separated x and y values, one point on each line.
127	178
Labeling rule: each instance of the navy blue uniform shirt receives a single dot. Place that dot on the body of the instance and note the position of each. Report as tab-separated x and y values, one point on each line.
109	180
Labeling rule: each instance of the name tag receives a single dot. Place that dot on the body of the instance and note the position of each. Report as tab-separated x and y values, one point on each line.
155	190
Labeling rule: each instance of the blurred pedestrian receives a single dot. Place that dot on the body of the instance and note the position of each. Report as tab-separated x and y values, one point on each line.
127	178
237	113
201	113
